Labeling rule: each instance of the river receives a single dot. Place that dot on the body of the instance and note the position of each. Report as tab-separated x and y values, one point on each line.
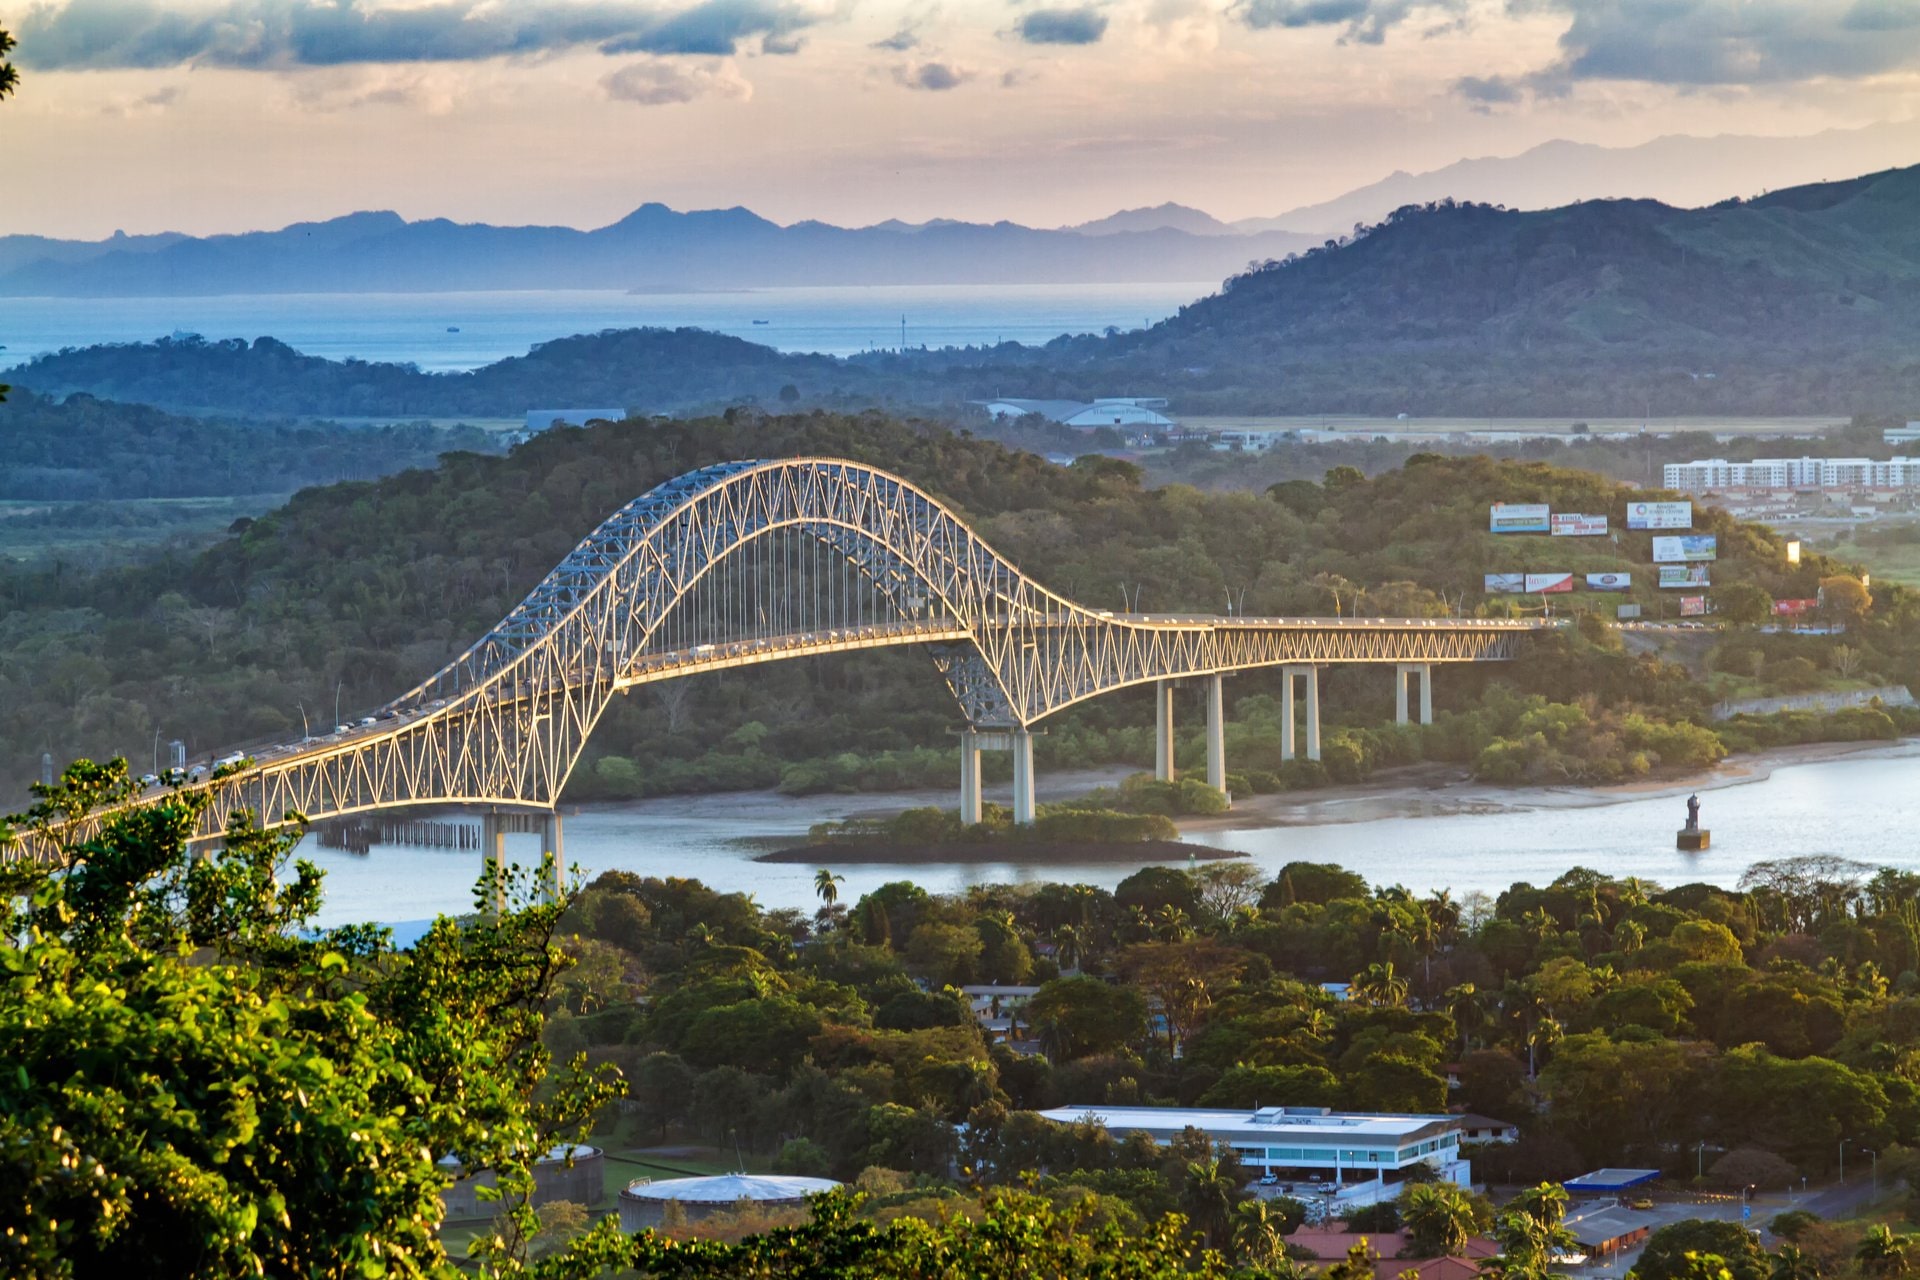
1459	836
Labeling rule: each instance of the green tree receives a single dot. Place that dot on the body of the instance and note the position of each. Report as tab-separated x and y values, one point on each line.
197	1085
1094	1017
1743	604
827	885
1439	1219
1884	1252
1665	1257
1207	1194
1531	1231
1790	1262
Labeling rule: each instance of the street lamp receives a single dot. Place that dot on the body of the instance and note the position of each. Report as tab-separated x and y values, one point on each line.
306	730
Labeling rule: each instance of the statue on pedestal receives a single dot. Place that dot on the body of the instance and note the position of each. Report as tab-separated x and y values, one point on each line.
1693	838
1693	812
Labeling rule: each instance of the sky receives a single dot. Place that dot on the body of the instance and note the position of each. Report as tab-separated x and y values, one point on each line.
226	115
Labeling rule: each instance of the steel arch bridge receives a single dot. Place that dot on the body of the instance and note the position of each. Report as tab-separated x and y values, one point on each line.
750	562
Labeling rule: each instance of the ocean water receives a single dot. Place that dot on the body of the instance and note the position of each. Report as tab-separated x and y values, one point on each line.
1865	807
420	328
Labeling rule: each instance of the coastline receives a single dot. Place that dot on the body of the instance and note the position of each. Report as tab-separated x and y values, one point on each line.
1444	790
998	853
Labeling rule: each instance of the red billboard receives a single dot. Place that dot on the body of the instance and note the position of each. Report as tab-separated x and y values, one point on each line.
1794	608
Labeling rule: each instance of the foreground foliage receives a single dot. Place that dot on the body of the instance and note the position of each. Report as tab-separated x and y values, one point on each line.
197	1085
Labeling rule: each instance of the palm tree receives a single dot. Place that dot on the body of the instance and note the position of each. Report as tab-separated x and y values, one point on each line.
1051	1035
1256	1234
1066	943
826	884
1438	1220
1884	1253
1792	1263
1628	935
1171	923
1545	1034
1464	1003
1207	1194
1380	985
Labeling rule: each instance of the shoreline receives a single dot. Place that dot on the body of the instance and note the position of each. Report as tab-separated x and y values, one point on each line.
998	853
1445	790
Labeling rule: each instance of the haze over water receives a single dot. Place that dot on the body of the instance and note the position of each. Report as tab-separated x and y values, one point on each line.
415	327
1801	809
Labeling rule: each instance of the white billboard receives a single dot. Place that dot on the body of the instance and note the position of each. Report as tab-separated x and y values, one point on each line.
1548	584
1511	584
1519	517
1659	515
1682	576
1687	548
1609	582
1574	526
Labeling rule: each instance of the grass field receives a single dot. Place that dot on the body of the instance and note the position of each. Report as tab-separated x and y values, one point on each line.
1887	562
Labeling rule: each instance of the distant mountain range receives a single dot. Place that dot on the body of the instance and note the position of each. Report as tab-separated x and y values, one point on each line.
653	249
1803	301
656	249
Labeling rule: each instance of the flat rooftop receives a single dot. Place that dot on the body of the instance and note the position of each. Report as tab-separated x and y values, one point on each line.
1611	1179
1267	1123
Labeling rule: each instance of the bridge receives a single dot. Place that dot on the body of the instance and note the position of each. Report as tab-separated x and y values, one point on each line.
744	563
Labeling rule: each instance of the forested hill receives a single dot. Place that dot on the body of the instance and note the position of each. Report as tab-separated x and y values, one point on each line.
365	588
645	370
1801	301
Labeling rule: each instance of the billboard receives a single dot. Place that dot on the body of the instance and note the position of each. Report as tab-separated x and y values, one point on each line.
1571	526
1794	608
1683	575
1548	584
1609	582
1659	515
1627	611
1686	547
1693	606
1519	517
1509	584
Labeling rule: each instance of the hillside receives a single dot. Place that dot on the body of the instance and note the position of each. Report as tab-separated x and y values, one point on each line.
1800	301
360	589
646	370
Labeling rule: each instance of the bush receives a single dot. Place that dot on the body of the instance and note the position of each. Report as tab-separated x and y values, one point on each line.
803	1158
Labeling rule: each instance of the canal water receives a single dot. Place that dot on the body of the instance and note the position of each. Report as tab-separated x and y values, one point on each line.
1462	838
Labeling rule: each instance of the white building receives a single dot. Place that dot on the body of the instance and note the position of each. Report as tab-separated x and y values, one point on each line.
1712	475
1110	411
1247	441
1342	1147
1909	434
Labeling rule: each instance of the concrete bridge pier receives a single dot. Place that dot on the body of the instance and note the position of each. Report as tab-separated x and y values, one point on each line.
969	778
493	849
550	842
1310	673
1401	671
972	743
1216	734
1023	777
1163	730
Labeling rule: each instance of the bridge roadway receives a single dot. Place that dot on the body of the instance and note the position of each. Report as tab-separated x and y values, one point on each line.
502	726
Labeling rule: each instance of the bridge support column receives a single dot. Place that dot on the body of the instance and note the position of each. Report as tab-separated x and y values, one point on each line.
1022	777
1400	673
493	848
969	778
1216	734
550	842
1311	674
1163	730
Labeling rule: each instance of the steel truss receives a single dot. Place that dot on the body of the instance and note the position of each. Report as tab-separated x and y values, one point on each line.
504	723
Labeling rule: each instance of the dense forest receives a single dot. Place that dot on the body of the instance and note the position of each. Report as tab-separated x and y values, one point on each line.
353	592
83	449
1797	302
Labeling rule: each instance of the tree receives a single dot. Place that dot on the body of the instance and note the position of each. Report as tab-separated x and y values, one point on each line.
1089	1016
1744	605
1665	1257
1883	1252
1439	1219
1380	985
290	1090
9	78
827	885
1207	1194
1259	1232
1845	599
1531	1231
1790	1262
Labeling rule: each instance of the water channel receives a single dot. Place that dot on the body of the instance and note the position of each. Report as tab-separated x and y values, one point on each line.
1459	835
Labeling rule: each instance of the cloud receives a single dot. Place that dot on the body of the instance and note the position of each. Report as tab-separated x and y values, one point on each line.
1063	26
1716	43
1366	21
936	77
279	34
1489	90
150	104
901	41
659	83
